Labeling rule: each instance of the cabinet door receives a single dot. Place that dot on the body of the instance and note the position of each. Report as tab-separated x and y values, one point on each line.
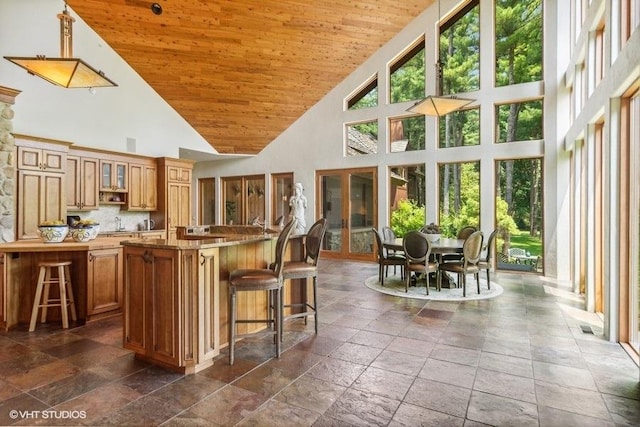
82	183
41	197
178	205
113	175
31	158
165	288
208	304
142	187
136	304
178	174
104	281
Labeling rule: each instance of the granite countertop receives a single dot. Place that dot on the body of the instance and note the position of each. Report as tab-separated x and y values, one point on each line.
205	243
37	245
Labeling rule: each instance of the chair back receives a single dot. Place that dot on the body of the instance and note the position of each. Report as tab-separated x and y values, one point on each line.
472	248
490	247
388	234
281	246
313	241
378	243
465	232
417	247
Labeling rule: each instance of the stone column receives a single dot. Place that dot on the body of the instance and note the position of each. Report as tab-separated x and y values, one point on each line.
7	166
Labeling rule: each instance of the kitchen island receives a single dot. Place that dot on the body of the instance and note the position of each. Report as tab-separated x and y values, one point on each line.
175	309
96	278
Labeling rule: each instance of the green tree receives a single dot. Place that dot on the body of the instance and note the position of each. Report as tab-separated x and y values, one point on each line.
407	217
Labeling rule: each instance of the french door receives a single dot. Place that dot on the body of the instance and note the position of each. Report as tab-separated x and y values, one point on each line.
347	199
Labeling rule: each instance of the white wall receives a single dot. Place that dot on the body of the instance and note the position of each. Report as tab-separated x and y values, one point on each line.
104	119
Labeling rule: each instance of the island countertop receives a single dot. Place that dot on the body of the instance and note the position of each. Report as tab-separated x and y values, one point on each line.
202	243
68	245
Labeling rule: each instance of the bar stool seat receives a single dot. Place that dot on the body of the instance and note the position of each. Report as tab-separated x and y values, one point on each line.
65	293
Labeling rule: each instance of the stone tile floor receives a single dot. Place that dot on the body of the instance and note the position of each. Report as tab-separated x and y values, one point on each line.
520	359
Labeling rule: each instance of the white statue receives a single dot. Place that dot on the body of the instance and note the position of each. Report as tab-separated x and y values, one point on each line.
298	203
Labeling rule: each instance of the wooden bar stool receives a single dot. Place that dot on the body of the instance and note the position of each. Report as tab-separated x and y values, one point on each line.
42	300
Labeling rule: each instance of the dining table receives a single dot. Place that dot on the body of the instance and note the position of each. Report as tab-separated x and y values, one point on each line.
439	247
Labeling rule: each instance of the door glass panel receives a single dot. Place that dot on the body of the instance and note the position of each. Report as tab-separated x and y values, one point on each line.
207	201
282	185
255	200
232	208
332	210
106	175
361	213
121	170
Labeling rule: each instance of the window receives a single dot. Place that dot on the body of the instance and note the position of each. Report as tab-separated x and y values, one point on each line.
406	134
460	51
518	27
207	201
281	190
365	97
362	138
460	128
520	121
519	211
407	75
600	52
244	200
459	196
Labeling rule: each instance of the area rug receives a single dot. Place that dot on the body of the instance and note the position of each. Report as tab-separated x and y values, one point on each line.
393	285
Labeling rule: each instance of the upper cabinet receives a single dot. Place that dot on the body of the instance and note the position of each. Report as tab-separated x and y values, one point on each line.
113	175
41	183
174	194
143	187
82	181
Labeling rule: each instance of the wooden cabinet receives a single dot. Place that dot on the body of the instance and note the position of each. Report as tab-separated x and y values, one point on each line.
3	293
41	159
143	185
104	281
82	182
40	185
41	198
113	175
174	195
160	306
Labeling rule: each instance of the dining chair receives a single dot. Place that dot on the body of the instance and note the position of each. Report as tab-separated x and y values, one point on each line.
385	260
463	233
485	263
304	269
390	236
417	249
266	279
469	264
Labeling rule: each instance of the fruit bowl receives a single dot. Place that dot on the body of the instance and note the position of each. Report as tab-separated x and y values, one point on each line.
433	237
81	234
53	233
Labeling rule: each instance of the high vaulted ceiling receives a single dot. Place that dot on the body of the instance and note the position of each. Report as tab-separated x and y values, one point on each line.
241	71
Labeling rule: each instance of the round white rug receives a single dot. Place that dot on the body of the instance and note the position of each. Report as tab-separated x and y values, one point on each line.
393	285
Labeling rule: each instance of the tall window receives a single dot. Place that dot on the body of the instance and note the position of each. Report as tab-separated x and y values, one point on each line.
244	200
518	41
207	201
362	139
460	51
519	214
520	121
407	75
460	128
281	191
365	97
407	188
406	134
459	196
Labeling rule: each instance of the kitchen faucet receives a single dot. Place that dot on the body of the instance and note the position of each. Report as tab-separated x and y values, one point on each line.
118	223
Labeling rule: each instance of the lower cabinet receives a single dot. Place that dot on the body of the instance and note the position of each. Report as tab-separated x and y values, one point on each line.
104	281
171	306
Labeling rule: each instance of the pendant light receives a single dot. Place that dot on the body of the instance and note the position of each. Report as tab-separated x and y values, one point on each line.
439	105
65	71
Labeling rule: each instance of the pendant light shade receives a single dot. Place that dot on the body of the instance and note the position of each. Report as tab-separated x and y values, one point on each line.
439	105
65	71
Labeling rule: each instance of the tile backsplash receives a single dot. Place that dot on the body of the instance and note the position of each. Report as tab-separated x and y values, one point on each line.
106	216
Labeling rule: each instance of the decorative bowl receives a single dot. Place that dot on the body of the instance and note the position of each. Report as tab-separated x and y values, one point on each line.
433	237
81	234
53	233
95	229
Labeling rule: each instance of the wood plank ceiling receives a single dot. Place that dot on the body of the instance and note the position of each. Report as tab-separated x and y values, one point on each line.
242	71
